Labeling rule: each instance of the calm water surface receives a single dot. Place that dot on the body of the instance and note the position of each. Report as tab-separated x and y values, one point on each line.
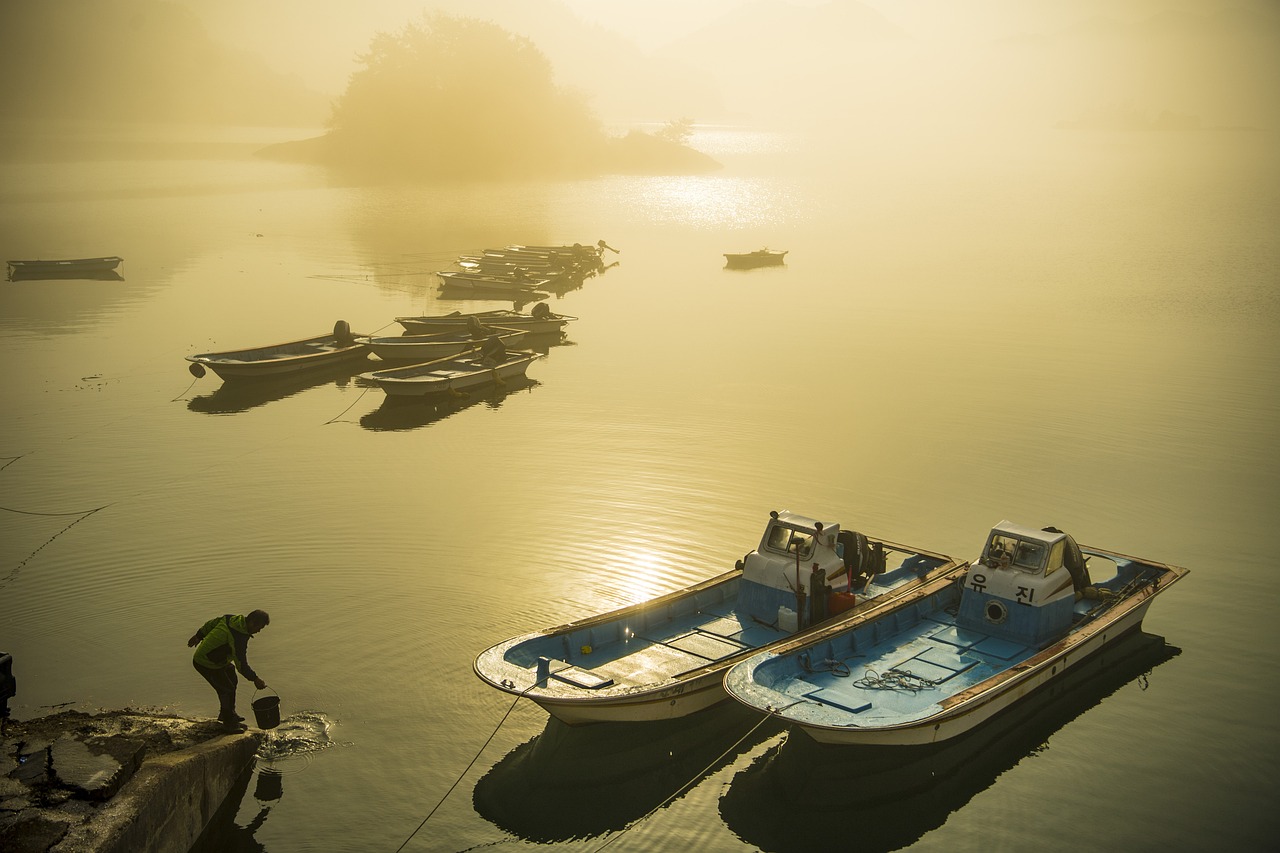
1077	330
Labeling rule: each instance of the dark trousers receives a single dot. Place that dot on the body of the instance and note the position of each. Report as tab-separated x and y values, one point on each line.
223	681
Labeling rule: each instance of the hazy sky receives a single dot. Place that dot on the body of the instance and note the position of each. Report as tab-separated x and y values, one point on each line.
318	39
932	62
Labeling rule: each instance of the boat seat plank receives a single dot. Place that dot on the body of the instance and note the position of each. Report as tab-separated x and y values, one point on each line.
706	645
996	647
958	637
922	668
837	699
947	659
650	665
570	674
727	627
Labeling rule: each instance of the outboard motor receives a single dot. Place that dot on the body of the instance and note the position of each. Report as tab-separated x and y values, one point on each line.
342	331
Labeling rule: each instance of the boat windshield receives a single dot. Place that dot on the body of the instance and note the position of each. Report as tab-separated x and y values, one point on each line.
1003	550
786	541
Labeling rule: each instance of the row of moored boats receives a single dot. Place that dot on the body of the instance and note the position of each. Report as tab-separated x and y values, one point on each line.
437	354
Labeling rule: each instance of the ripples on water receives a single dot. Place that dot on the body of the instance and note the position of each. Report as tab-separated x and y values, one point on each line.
1042	329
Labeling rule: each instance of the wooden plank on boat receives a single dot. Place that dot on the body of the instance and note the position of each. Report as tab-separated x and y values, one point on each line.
836	699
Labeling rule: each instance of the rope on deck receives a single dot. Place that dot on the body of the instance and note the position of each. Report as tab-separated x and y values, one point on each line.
895	679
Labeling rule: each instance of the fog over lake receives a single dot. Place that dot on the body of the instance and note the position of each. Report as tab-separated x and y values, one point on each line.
1031	274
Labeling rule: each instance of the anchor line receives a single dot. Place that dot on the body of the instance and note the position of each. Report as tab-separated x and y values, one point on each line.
467	769
83	515
688	784
348	408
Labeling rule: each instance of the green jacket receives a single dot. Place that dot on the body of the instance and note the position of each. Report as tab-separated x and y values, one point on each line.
224	640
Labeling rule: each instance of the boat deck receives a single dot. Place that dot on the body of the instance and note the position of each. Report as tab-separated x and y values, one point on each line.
903	667
659	644
661	652
905	675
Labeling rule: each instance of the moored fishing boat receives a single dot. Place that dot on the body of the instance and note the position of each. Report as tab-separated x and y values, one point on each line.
514	285
758	258
438	344
338	347
541	320
941	660
453	375
666	657
63	268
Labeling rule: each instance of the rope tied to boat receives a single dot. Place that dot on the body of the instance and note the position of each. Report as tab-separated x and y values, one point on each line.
895	679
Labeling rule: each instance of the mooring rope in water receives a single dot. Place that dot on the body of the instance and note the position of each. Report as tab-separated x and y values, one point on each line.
467	769
13	573
687	785
348	408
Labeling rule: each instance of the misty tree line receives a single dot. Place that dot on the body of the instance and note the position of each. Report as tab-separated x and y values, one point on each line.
450	95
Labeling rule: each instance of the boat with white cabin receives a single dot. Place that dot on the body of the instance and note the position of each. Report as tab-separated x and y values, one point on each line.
667	657
955	652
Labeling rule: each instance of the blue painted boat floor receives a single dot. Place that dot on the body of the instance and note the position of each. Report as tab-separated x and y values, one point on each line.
905	671
662	643
903	676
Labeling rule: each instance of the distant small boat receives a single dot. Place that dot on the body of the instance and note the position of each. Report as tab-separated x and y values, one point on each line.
758	258
443	344
541	320
337	347
456	374
66	268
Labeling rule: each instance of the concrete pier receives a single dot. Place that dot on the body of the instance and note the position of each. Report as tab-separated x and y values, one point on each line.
118	782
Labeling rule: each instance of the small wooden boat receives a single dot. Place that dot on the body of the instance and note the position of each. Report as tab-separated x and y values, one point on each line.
338	347
457	374
539	321
66	268
667	657
758	258
514	285
953	653
429	347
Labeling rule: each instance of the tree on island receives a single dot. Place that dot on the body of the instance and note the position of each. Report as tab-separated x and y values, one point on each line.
458	98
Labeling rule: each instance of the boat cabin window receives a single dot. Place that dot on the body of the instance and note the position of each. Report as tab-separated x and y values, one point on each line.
1055	556
788	541
1009	550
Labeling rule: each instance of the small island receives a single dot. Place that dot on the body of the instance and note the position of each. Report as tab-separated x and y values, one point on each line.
451	98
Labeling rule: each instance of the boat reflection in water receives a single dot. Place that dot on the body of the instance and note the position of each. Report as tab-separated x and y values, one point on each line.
401	413
576	782
790	798
242	395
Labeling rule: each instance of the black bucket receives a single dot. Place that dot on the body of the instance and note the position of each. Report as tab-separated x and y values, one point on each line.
267	711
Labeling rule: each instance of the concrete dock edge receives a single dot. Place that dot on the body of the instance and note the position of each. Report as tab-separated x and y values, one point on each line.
168	802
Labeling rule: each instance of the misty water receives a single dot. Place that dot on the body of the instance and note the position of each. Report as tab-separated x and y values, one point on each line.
1057	328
